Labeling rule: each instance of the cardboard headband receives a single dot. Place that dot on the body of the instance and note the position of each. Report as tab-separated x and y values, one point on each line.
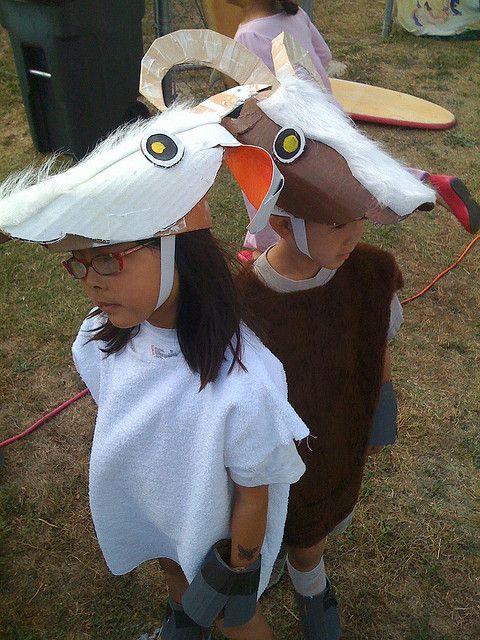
147	179
333	173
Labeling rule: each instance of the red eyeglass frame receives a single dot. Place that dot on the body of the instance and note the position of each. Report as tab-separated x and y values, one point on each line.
118	255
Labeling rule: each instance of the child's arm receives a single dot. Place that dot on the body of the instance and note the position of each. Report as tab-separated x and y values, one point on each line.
224	579
384	421
320	46
249	521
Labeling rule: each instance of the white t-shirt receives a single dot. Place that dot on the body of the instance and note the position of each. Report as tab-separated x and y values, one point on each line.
164	454
281	284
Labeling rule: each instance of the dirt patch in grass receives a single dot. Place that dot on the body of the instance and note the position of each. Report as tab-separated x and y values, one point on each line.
408	567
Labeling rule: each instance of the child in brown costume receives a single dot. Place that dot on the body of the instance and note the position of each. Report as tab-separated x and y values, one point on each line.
327	318
326	308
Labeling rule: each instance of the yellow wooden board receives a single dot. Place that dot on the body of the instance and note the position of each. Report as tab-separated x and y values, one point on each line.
375	104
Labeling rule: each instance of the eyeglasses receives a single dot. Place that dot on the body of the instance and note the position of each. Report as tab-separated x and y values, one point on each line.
107	264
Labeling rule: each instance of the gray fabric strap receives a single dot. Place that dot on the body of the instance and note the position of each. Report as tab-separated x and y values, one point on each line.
167	268
384	428
218	587
299	230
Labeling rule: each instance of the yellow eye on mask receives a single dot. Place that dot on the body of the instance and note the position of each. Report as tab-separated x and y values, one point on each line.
162	149
289	144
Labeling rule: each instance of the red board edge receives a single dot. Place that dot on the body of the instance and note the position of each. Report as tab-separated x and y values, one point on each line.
401	123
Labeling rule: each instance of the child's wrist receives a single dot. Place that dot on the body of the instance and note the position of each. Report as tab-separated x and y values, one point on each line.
242	557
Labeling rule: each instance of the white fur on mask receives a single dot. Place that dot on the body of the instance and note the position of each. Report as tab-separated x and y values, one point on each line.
302	103
116	194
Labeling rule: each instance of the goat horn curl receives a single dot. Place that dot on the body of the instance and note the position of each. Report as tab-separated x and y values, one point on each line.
204	47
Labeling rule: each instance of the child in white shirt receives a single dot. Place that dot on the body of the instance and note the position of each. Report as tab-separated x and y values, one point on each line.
194	437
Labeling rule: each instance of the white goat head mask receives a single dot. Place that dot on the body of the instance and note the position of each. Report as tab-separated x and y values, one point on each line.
147	179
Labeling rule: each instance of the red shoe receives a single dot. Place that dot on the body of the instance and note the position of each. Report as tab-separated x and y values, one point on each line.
245	256
458	198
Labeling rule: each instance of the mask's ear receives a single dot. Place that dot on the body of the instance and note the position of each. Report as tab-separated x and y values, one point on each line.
259	179
250	116
289	58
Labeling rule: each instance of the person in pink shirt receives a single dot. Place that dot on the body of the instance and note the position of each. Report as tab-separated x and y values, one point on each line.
257	33
264	20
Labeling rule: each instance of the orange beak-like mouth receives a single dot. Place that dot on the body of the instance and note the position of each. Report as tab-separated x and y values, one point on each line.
259	179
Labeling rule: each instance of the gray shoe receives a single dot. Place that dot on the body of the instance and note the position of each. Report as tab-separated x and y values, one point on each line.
319	615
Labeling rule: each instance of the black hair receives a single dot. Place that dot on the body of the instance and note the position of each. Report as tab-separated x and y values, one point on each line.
289	6
208	310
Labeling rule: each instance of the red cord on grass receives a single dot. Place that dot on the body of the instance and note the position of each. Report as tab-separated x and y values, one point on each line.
443	273
49	415
83	393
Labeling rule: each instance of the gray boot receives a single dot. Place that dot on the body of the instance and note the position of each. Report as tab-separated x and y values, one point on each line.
319	615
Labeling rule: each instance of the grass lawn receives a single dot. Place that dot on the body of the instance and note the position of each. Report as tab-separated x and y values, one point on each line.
408	568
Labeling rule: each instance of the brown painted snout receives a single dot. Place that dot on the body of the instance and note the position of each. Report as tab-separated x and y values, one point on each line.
319	185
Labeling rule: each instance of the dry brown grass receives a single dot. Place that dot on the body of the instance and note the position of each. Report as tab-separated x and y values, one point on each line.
408	568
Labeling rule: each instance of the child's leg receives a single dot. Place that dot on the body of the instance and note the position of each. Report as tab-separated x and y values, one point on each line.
306	559
176	581
256	629
316	600
177	625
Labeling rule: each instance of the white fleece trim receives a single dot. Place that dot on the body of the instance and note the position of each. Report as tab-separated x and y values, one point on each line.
302	103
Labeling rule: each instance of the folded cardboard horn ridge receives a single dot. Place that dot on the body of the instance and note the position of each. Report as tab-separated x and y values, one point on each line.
288	54
205	47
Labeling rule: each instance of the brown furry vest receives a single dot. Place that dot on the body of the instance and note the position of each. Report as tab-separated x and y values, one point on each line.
331	341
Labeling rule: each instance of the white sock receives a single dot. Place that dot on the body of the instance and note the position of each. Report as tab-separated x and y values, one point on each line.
308	583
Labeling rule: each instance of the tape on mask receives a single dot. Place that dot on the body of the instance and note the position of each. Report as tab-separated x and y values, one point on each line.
167	268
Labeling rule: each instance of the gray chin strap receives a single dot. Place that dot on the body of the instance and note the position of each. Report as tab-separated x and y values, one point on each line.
299	230
167	268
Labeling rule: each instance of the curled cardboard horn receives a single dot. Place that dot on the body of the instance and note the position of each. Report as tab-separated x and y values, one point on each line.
204	47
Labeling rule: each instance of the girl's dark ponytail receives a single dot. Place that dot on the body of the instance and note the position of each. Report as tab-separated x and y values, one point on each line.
209	307
289	6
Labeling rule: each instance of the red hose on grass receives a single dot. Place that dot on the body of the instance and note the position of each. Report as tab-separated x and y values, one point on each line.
444	272
83	393
45	418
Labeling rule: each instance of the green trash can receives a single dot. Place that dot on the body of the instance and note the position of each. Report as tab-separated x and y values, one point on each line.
78	62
